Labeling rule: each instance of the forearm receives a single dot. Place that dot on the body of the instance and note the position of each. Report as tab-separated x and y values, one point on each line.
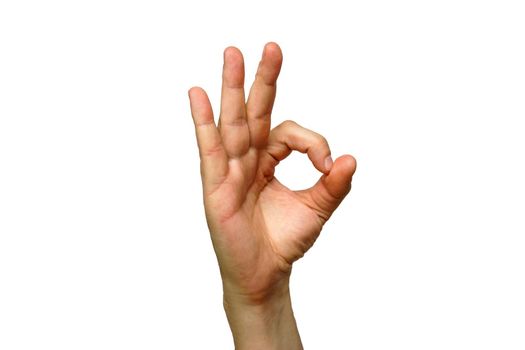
269	326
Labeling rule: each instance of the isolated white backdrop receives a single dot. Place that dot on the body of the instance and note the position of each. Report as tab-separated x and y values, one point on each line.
103	242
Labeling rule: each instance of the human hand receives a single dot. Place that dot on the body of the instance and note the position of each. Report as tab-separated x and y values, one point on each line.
258	226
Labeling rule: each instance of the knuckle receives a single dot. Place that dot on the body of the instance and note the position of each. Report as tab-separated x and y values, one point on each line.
288	124
320	140
211	151
239	121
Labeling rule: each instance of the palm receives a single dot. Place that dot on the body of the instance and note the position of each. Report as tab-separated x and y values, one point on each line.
292	225
258	226
261	229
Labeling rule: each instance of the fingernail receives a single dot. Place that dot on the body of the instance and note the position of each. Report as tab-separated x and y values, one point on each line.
328	163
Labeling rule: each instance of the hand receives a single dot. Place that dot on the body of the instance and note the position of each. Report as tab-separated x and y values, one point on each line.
258	226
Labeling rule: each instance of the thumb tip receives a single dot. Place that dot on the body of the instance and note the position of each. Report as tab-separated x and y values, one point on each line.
346	164
339	179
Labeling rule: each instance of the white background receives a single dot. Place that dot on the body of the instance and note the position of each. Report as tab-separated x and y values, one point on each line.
103	241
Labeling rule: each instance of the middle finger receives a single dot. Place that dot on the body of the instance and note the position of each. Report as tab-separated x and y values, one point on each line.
232	120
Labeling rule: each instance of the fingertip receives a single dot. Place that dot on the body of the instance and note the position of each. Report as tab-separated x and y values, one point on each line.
273	54
190	91
328	162
194	90
231	52
272	47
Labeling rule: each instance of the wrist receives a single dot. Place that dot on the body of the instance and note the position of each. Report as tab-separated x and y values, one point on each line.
266	323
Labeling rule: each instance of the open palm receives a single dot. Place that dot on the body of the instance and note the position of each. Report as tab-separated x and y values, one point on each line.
258	226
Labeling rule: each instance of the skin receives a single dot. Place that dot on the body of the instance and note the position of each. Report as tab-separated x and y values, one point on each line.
258	226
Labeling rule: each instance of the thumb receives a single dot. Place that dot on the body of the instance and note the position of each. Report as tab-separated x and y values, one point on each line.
330	190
